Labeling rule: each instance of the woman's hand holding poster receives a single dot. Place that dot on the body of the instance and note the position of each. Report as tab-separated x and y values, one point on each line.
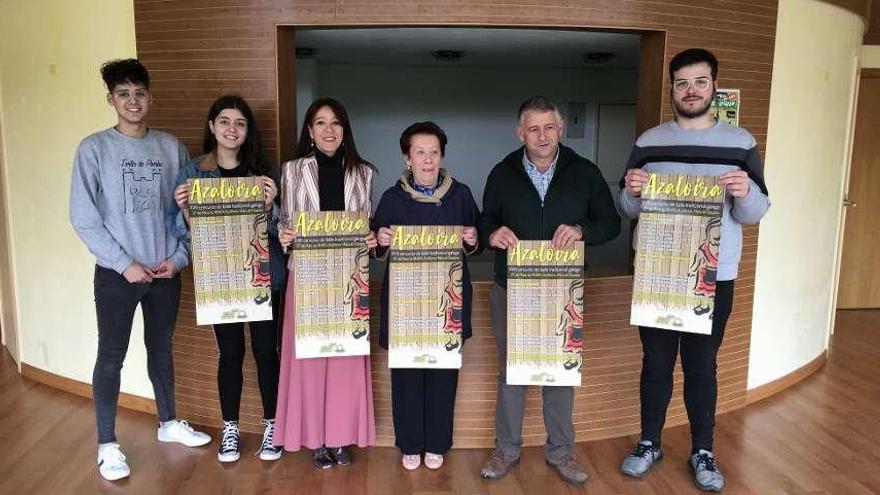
425	296
230	250
332	283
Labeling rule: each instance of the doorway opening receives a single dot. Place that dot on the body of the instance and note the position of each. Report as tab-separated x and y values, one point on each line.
471	81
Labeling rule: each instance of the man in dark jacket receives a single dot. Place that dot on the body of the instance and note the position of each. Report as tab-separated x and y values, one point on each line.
542	191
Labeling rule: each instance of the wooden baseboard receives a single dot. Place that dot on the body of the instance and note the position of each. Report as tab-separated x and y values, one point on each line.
128	401
142	404
782	383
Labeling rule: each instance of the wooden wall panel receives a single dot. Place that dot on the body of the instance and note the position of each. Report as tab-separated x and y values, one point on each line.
872	35
196	51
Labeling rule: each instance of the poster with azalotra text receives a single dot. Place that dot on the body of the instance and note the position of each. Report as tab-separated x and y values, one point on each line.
331	273
676	263
425	297
230	251
545	314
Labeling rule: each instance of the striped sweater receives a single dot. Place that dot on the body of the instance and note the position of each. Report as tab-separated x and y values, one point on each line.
722	148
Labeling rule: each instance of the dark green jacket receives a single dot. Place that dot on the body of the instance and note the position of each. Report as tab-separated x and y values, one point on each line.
577	195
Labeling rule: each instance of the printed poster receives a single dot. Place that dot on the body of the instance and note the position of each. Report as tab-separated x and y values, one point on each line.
230	250
332	283
545	314
425	298
725	106
679	235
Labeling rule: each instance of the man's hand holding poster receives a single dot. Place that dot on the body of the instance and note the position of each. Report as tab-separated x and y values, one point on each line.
545	314
679	237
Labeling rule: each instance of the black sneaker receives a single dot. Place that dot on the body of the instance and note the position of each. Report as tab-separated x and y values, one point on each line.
321	458
268	450
342	456
229	442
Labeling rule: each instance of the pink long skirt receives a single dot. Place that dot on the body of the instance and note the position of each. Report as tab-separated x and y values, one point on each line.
321	401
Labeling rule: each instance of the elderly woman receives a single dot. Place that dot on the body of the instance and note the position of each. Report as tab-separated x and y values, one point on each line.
324	404
423	400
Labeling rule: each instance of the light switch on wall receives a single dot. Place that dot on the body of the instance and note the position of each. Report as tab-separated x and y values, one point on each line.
575	123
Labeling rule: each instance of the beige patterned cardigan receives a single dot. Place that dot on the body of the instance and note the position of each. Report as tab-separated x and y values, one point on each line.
299	189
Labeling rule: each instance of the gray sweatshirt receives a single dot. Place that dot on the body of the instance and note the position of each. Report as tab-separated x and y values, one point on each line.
119	193
722	148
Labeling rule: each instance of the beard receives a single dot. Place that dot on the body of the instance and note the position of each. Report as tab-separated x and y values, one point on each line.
693	113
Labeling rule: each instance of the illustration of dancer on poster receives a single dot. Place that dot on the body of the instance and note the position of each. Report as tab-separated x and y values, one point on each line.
545	307
679	235
230	250
425	297
332	283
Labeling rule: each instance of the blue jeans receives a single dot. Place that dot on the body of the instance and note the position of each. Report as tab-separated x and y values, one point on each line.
115	303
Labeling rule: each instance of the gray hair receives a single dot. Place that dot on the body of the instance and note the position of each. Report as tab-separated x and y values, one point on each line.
538	104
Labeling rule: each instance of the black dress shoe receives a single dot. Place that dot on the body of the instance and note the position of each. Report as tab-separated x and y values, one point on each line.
342	456
321	458
452	345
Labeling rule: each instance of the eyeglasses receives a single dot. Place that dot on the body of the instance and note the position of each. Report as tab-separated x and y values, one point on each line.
699	84
139	94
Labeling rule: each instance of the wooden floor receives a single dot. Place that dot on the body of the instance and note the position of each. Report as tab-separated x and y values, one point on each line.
820	436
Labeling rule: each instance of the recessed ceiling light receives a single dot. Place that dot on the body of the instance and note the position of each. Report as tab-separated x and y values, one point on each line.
595	58
447	55
306	52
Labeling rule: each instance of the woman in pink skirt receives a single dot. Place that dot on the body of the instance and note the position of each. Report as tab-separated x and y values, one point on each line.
324	404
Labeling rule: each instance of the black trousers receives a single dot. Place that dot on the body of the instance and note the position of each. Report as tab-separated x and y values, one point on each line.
423	404
264	345
699	363
115	302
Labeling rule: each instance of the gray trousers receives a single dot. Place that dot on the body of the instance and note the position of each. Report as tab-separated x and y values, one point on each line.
558	401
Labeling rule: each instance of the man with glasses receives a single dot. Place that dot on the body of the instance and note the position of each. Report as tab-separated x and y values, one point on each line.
694	143
123	180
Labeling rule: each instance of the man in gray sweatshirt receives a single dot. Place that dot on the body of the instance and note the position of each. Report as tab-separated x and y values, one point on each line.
694	143
122	183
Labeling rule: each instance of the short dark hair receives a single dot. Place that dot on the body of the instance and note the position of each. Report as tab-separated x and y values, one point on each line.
538	104
429	128
121	71
693	56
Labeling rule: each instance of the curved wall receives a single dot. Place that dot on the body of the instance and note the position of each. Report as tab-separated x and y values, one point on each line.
811	106
52	97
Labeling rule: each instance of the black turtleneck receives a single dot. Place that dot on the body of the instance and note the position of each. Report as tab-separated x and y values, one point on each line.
238	171
331	180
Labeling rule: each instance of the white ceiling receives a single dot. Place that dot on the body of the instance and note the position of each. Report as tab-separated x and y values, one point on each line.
482	47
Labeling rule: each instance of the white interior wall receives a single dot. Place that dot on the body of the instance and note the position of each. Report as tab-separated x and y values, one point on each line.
815	63
475	106
306	75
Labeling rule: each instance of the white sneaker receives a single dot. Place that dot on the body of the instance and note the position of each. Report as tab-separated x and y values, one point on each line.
111	462
181	432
